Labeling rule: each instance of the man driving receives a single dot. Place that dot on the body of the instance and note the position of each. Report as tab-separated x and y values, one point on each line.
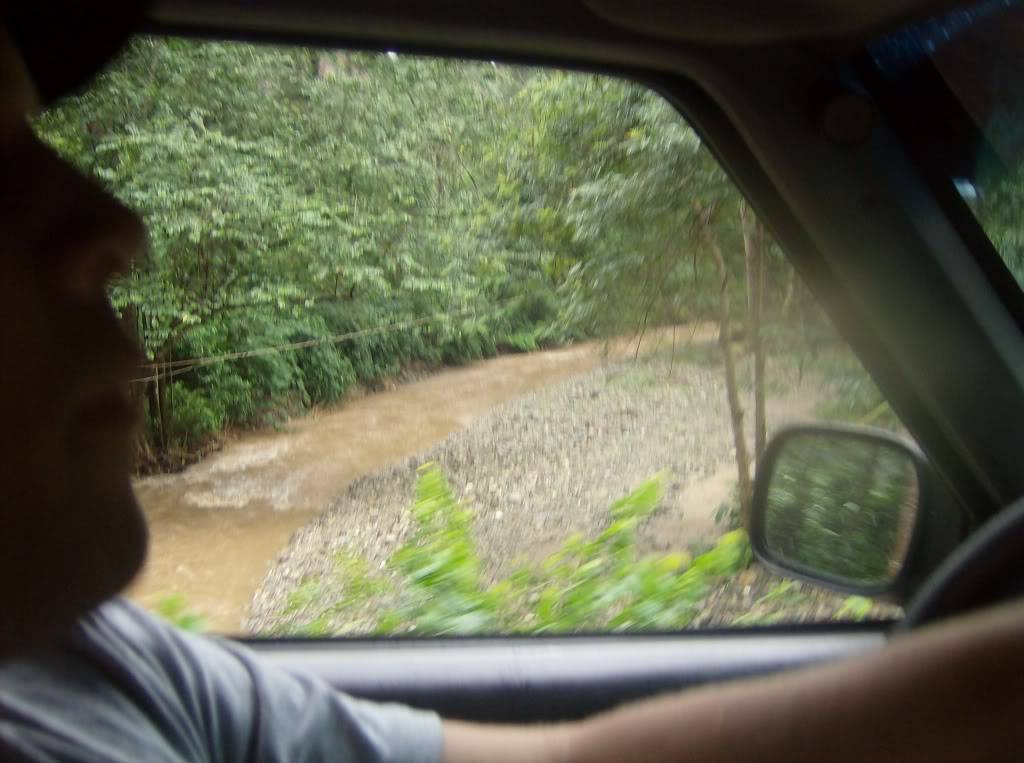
87	676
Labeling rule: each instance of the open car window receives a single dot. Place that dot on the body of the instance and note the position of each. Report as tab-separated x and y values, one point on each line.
442	347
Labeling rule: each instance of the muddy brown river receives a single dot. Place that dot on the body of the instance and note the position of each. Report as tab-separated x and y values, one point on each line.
217	526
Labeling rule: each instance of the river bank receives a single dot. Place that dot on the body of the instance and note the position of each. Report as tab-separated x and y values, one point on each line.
216	526
545	466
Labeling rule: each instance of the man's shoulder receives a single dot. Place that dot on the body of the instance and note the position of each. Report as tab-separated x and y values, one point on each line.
119	620
115	633
121	685
123	679
143	654
124	631
149	658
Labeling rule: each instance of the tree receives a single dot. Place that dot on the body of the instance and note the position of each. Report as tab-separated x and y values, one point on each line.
294	194
624	193
311	188
753	247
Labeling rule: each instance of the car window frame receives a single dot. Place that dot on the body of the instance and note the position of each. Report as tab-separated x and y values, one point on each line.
701	109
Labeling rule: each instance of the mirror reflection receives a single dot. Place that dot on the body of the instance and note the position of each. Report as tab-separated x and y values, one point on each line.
842	507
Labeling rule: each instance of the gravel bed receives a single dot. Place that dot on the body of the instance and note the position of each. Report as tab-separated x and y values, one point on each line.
548	465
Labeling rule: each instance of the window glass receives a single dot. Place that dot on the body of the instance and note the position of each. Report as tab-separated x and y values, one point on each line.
983	67
437	347
962	73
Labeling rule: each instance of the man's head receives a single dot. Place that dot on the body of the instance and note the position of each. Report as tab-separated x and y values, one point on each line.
72	533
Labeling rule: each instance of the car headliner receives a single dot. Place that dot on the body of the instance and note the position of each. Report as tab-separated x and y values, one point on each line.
554	27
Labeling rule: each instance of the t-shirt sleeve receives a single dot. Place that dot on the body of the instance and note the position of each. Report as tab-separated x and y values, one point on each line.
301	718
238	708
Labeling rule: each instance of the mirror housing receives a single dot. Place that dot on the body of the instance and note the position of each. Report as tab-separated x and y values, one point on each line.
845	507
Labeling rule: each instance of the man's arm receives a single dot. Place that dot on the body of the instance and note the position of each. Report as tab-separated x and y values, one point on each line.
949	692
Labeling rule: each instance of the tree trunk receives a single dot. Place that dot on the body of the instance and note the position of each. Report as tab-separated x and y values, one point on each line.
787	300
724	344
137	391
753	247
157	398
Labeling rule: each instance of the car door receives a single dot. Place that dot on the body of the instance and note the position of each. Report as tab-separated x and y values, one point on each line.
809	135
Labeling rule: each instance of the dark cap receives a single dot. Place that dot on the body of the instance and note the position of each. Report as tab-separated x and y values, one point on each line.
65	44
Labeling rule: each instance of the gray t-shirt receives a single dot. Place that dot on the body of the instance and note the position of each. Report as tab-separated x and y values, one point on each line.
126	687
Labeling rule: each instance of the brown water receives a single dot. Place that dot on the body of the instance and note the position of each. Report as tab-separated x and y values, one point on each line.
217	526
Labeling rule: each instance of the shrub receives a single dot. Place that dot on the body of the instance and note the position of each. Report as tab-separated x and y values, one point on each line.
175	610
855	608
228	391
854	395
600	583
521	341
467	341
194	418
326	373
443	591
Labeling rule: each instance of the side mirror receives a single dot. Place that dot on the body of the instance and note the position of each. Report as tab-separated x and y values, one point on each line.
840	506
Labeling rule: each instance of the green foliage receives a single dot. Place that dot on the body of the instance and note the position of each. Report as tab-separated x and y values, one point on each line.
808	341
524	341
855	608
465	341
196	419
841	507
296	194
175	609
773	606
317	604
308	593
590	584
1000	210
855	396
326	373
444	592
